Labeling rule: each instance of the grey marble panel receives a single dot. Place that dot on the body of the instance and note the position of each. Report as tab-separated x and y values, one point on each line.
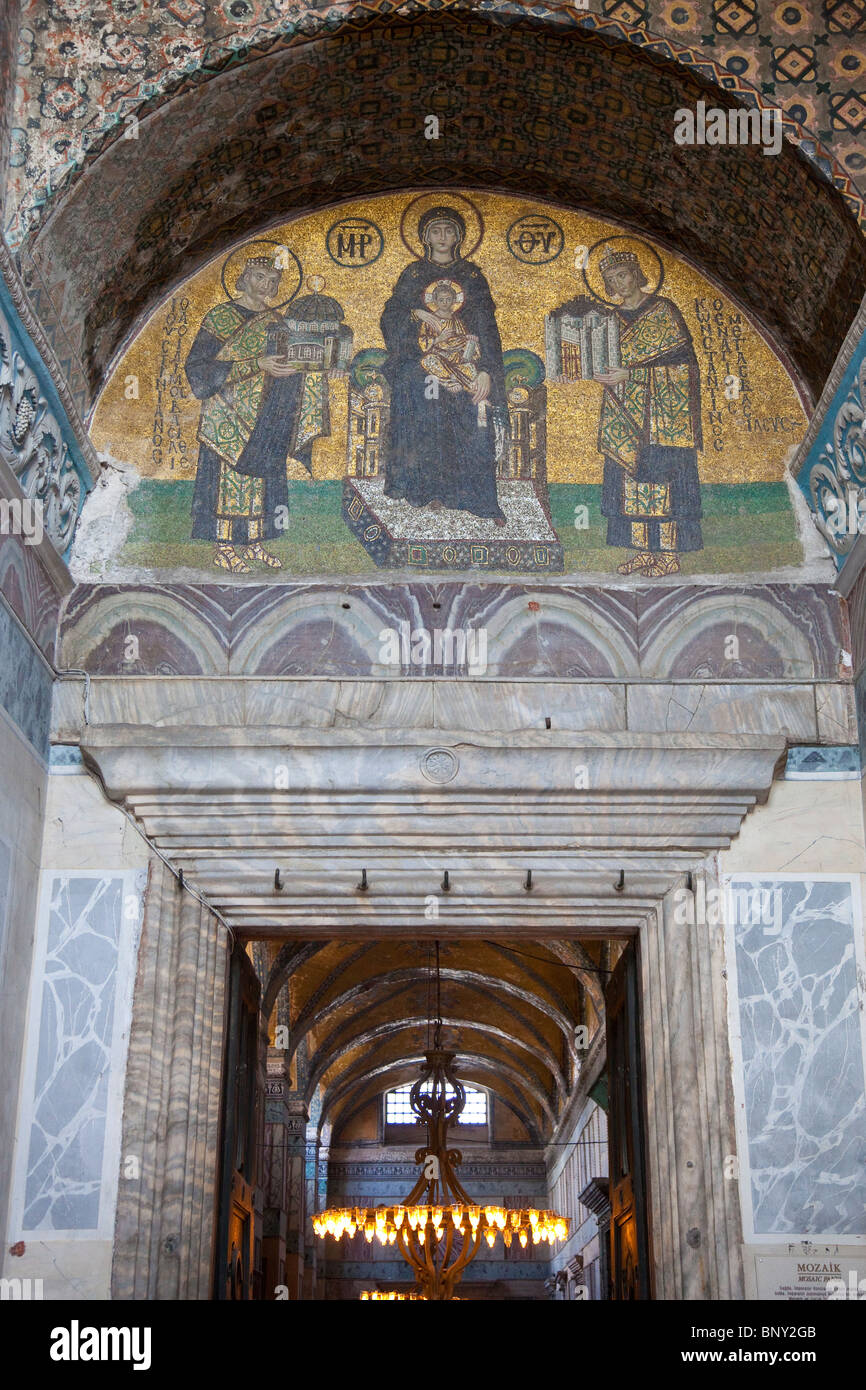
837	719
70	1102
786	709
802	1055
5	889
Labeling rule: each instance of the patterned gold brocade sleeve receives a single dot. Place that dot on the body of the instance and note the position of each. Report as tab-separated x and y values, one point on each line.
655	405
229	417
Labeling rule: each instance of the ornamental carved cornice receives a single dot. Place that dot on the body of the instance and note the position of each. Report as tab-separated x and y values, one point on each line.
830	464
43	443
24	309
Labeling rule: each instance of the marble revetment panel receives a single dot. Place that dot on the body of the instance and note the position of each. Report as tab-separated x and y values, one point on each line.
795	950
5	885
78	1028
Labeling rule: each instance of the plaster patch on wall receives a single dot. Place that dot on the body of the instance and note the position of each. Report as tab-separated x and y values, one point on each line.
105	522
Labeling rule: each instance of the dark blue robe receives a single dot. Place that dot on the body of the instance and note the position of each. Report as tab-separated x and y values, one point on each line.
265	453
436	448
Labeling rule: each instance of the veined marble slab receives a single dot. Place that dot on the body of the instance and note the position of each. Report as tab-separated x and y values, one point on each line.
67	1161
795	950
5	886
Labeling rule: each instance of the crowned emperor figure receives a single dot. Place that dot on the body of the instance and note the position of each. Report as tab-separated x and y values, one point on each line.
250	401
650	425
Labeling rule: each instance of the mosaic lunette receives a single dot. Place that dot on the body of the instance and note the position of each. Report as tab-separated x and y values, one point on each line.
583	483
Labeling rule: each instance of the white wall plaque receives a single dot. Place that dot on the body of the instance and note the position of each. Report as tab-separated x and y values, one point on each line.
783	1278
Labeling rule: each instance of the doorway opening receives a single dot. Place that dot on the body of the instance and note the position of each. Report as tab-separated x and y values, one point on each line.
324	1041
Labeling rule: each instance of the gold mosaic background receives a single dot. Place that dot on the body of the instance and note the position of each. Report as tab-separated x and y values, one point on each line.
124	425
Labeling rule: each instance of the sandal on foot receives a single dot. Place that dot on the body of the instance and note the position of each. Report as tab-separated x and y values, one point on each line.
642	561
661	565
227	558
258	552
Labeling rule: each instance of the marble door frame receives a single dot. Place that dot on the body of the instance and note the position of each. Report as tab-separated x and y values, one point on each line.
660	804
165	1231
694	1210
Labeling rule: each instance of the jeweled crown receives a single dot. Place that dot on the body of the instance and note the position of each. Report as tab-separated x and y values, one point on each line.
613	258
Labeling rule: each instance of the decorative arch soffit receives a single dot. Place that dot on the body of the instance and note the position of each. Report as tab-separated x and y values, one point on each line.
309	128
200	64
368	991
342	1043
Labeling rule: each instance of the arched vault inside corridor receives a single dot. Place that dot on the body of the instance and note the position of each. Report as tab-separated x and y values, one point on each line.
348	1026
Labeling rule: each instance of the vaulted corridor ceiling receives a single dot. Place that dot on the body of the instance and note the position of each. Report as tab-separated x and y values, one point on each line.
357	1019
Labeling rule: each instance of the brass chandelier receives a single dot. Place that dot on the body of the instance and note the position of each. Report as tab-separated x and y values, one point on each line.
439	1229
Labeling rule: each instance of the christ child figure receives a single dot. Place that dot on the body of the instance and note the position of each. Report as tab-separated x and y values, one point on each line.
449	352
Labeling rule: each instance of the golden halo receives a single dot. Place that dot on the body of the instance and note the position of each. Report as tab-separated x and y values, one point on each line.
646	254
459	296
467	209
280	256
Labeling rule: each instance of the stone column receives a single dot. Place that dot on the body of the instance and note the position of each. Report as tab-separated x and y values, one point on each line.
166	1219
315	1199
296	1194
693	1205
273	1176
596	1198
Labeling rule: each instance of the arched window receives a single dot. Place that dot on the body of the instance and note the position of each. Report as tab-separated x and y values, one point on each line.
398	1111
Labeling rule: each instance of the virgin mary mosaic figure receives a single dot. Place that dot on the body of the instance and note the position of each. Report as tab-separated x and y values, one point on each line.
444	367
